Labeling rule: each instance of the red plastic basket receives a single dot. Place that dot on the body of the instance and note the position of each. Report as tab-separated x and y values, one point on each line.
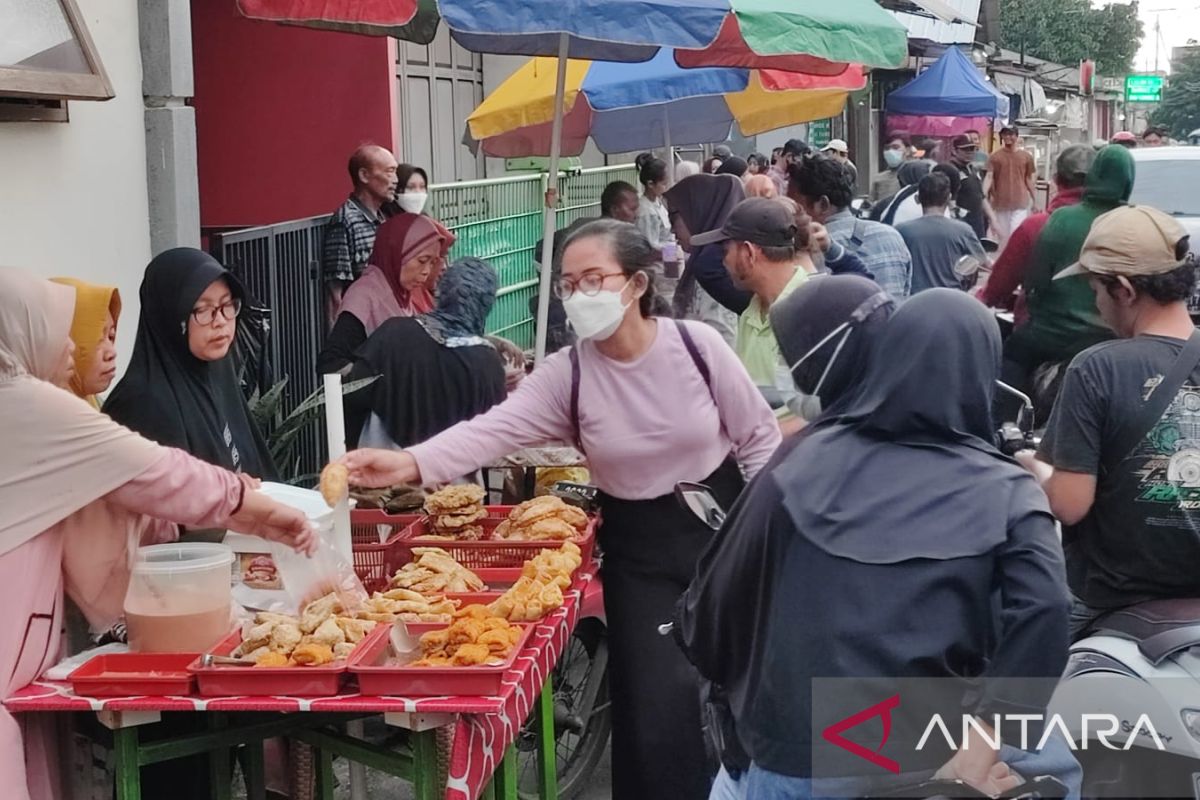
487	553
134	675
370	554
217	681
378	678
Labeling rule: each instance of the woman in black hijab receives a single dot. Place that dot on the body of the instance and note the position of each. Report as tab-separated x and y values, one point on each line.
436	370
892	540
181	388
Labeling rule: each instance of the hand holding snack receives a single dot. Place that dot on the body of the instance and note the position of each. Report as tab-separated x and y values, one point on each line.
335	483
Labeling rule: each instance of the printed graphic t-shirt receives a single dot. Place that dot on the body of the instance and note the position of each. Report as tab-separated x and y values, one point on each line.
1141	539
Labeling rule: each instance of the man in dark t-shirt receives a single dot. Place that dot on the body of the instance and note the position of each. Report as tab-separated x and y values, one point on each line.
970	198
1131	514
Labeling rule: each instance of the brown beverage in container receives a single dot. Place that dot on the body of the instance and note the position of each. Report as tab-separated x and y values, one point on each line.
179	598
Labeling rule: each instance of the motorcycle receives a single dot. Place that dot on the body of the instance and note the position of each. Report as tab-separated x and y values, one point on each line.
1138	664
699	500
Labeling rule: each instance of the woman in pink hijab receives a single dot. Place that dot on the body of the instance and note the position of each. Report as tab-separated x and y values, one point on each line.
77	490
399	281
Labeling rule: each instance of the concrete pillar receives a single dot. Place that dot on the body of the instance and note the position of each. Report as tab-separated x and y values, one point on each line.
171	172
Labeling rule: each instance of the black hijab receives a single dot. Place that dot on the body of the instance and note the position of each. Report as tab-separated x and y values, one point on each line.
827	328
434	370
171	396
916	443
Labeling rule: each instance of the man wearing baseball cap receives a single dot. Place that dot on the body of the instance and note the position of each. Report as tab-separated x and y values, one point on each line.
1120	459
759	237
840	152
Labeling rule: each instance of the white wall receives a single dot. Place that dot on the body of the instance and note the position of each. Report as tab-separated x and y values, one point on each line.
73	195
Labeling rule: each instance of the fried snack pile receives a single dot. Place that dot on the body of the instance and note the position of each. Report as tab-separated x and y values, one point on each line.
335	483
434	572
407	606
456	512
543	518
320	635
476	637
540	587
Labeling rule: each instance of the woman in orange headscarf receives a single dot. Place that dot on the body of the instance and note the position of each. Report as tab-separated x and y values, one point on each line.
408	258
94	332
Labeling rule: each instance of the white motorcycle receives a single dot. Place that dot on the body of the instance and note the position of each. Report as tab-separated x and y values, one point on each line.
1140	668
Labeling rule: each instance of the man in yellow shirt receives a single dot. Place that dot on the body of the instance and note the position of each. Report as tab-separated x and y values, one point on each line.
761	256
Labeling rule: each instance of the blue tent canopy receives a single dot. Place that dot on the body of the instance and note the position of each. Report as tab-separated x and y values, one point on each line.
952	87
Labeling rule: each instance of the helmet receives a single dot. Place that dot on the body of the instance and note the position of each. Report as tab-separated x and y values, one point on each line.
1123	137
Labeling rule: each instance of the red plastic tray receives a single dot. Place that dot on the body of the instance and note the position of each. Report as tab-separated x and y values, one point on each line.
134	675
485	553
257	681
375	678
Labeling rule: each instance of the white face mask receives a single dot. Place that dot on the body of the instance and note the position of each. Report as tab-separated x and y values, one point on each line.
893	157
596	317
843	329
412	202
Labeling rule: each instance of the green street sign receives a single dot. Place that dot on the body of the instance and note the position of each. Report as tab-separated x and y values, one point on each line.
1143	88
820	131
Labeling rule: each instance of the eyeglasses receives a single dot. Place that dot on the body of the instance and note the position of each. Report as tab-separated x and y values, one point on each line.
590	284
208	314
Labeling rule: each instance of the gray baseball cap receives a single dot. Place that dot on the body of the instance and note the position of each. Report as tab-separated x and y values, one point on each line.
766	222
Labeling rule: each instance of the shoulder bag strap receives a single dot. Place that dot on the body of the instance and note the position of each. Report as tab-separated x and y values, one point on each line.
1161	396
697	359
575	375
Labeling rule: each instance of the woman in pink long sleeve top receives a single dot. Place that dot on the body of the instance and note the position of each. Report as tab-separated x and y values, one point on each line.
73	492
655	402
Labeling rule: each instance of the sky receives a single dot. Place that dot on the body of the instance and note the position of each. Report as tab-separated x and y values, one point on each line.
1178	26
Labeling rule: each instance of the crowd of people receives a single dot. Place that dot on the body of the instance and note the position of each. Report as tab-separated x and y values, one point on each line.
824	374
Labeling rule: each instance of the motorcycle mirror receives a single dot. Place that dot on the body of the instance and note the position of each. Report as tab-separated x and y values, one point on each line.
1026	412
698	499
990	246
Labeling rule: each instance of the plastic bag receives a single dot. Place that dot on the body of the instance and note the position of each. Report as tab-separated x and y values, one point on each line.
308	578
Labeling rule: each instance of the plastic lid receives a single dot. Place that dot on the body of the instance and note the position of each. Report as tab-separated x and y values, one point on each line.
181	557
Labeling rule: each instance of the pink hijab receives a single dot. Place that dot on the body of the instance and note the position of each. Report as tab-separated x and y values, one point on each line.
62	456
378	295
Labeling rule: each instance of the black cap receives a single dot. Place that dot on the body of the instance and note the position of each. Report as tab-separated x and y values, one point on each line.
762	221
722	151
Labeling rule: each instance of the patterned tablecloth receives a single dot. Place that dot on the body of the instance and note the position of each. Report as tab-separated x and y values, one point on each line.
484	726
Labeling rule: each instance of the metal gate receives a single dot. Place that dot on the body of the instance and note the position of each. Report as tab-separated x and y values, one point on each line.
499	220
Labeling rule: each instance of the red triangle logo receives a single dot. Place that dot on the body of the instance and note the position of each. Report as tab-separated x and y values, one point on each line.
833	734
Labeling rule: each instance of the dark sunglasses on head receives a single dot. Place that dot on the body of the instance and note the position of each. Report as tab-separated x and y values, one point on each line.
970	148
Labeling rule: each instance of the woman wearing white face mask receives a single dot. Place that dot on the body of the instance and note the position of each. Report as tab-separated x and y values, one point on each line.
651	402
412	191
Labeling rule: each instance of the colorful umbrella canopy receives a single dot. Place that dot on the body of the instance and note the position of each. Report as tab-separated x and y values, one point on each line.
819	38
625	107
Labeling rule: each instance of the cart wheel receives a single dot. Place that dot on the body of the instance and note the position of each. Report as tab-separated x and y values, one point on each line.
581	734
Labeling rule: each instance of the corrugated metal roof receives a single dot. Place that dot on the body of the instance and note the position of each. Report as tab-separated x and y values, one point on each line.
935	30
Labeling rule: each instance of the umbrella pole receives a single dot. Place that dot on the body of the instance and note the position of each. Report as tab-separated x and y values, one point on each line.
667	142
550	214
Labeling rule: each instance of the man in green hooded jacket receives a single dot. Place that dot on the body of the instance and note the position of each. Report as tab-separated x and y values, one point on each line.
1063	319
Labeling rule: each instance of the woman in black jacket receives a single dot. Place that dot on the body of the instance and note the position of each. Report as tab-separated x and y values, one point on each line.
890	541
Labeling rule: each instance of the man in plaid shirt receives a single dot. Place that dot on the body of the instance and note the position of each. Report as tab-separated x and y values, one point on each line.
350	233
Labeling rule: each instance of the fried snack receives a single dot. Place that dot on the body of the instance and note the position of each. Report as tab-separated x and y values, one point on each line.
354	629
468	655
312	655
540	587
285	636
280	640
329	633
407	606
471	640
335	483
270	659
459	520
435	572
543	518
452	499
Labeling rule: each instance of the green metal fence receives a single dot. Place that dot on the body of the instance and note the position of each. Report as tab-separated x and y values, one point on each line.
500	220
